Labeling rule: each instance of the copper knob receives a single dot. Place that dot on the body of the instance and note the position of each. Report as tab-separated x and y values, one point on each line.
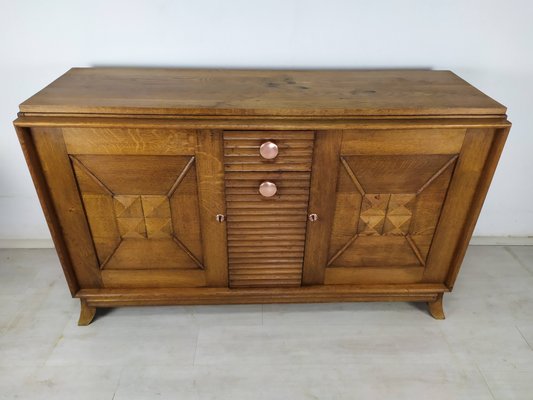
267	189
268	150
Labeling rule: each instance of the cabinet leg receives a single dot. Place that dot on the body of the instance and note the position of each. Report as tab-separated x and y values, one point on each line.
435	307
86	313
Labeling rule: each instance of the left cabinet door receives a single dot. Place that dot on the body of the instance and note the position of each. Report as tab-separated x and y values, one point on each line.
137	207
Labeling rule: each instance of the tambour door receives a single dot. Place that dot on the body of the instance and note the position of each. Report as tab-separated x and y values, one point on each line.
391	204
267	176
139	206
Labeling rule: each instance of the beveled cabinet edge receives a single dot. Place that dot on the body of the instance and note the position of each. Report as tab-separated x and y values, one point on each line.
39	181
459	212
68	205
498	141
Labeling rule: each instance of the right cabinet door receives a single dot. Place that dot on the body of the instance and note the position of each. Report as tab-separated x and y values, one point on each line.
391	204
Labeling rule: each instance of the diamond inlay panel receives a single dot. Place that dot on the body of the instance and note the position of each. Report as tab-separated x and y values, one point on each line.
157	216
147	223
386	214
399	214
387	209
372	216
143	216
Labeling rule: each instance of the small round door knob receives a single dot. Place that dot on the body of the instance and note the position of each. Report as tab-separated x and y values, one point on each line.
269	150
267	189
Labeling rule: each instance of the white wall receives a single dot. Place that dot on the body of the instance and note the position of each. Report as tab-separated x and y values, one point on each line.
489	43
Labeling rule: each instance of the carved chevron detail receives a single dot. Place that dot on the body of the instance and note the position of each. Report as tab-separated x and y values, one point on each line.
141	216
385	214
137	216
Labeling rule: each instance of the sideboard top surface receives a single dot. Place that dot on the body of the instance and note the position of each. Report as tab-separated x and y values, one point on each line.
224	92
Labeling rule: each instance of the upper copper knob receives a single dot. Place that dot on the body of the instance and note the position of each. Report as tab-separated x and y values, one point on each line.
267	189
269	150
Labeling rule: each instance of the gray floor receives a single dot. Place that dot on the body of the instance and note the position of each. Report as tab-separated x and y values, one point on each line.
483	350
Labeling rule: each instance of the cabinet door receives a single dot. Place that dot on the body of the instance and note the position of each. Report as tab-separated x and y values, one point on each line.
150	199
381	196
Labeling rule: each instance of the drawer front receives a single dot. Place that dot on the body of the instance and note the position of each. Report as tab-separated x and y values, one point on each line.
266	235
242	151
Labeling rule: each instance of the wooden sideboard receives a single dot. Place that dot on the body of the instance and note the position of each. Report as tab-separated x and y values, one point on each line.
182	186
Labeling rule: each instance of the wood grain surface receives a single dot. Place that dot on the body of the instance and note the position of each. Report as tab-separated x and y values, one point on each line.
261	92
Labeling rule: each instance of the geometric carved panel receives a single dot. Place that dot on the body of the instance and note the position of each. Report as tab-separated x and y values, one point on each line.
156	211
399	213
135	174
395	225
386	214
395	173
143	216
130	218
146	223
372	214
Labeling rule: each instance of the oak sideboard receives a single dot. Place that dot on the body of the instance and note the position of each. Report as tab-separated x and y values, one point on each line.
191	186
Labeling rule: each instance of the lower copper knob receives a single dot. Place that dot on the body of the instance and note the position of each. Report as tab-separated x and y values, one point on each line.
268	189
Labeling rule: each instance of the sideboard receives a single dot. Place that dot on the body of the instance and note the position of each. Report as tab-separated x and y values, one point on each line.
191	186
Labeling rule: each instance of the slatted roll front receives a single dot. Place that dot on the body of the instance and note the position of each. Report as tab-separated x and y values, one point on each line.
266	235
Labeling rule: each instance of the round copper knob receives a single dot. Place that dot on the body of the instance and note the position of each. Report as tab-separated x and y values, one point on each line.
269	150
267	189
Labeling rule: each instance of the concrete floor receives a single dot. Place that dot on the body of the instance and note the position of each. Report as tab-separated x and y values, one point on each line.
483	350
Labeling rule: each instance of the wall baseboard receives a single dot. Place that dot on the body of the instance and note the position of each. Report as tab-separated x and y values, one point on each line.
26	244
501	241
476	241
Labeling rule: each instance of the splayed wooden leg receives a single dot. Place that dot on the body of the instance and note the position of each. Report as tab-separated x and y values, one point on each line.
435	307
86	313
